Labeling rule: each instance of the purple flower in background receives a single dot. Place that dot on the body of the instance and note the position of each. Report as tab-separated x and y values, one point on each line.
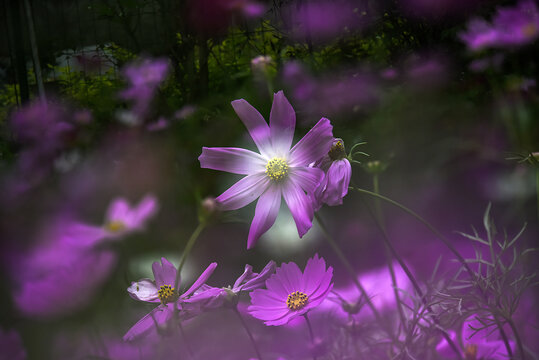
209	297
122	218
277	170
476	344
511	27
161	290
291	293
144	78
337	175
62	273
11	345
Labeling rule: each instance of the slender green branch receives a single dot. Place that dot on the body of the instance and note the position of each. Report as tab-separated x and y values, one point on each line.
186	251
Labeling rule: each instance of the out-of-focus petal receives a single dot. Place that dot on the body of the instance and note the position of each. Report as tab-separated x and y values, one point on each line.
255	123
314	145
266	212
282	123
244	192
232	160
150	322
118	210
147	207
308	178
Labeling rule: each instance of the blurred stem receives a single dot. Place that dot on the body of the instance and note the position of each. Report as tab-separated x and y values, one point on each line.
244	324
537	190
517	338
190	243
447	244
380	219
311	333
415	284
425	222
351	272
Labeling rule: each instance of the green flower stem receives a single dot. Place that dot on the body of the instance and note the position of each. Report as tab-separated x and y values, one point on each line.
244	324
352	273
311	333
186	251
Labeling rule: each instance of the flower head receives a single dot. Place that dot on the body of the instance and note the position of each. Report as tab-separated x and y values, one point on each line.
278	170
122	218
337	174
291	293
162	291
209	297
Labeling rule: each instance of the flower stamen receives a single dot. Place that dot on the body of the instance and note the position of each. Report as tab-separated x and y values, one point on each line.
277	169
296	300
115	226
337	150
166	294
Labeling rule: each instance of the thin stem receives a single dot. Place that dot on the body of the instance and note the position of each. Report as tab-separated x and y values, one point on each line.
192	240
311	333
380	220
242	320
351	272
447	244
517	338
425	222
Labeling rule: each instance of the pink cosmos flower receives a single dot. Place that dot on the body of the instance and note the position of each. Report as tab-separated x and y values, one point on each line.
277	170
291	293
161	290
476	344
209	297
338	173
122	218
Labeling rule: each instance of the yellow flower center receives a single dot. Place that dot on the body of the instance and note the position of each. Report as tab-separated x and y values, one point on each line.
470	352
166	294
115	226
277	169
529	29
296	300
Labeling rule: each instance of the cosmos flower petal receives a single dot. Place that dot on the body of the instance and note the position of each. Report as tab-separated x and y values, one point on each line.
269	314
147	208
275	286
338	176
157	317
164	273
244	192
201	279
290	276
282	123
259	280
247	275
314	145
308	178
118	210
324	284
232	160
300	206
255	124
144	290
283	320
266	299
315	269
266	212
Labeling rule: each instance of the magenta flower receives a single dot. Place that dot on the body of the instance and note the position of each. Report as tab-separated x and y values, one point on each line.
291	293
337	174
122	218
277	170
209	297
511	27
161	290
476	344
